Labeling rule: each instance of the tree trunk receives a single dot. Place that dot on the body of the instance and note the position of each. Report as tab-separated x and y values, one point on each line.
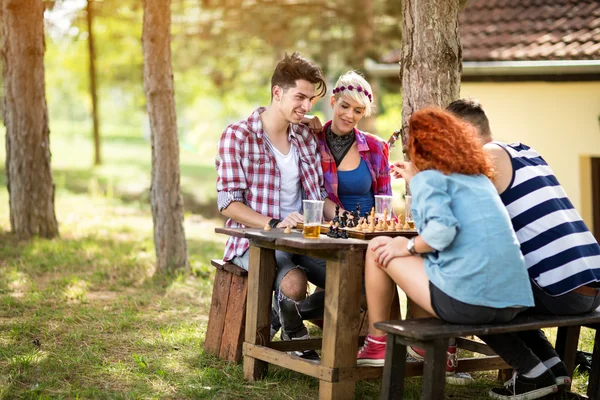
29	177
431	56
362	42
93	90
167	202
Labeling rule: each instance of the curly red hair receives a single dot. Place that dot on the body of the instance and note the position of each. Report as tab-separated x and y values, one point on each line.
438	140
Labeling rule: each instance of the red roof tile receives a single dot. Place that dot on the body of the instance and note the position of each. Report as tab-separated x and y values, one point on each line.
518	30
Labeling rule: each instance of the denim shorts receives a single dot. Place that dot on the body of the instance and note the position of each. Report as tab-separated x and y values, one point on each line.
313	267
453	311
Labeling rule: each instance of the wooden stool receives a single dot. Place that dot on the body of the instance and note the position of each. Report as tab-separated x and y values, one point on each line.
227	318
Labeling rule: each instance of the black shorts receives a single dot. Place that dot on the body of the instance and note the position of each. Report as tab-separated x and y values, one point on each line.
448	309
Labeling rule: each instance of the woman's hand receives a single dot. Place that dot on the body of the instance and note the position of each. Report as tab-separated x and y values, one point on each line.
386	251
312	122
403	169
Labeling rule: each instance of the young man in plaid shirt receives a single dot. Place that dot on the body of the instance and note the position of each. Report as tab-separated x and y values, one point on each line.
267	164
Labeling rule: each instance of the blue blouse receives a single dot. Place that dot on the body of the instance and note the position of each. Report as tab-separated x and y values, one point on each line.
478	260
355	187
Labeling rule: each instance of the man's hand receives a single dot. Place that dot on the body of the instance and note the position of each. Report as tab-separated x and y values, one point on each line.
312	122
387	250
403	169
291	220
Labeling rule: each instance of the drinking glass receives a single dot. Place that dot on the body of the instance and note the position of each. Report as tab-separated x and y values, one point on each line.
313	215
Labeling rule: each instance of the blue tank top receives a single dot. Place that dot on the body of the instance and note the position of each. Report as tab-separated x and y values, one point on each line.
560	252
355	187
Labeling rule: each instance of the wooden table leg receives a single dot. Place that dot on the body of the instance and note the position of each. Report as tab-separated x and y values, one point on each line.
340	328
567	339
392	387
434	369
593	390
261	275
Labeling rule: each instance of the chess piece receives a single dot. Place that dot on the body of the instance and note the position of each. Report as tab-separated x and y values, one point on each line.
356	212
344	234
337	233
331	232
365	225
344	219
386	227
371	227
336	218
287	229
350	223
398	225
379	226
267	227
406	227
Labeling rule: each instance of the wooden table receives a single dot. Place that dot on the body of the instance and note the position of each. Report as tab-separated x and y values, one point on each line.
337	370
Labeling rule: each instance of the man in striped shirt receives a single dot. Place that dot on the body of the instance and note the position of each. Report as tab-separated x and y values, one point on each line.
267	164
561	254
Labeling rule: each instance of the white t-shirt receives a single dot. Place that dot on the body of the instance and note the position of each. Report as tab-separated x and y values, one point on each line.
290	193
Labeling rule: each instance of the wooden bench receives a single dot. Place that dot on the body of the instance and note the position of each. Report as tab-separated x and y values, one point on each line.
433	334
227	318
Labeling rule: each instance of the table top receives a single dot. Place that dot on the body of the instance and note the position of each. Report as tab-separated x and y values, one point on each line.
294	239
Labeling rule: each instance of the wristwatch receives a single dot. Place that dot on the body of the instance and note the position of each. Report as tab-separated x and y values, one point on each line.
410	246
274	222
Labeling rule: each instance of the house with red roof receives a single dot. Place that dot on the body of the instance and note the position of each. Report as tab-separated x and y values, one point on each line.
535	67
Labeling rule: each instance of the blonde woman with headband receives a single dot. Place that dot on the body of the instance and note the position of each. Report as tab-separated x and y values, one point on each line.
355	163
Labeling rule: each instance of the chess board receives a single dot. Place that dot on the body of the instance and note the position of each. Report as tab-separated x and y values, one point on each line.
365	235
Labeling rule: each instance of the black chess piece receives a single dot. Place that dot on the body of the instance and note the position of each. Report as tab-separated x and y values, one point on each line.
336	218
344	220
356	212
344	234
331	232
337	233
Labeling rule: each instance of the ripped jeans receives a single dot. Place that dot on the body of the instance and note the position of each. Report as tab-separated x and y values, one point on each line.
289	310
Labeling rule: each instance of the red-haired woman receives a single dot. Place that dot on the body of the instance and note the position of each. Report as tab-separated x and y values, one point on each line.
465	265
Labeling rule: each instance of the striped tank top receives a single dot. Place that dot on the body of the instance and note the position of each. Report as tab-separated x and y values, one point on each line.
560	252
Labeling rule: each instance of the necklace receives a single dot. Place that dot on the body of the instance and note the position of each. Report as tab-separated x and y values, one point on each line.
339	145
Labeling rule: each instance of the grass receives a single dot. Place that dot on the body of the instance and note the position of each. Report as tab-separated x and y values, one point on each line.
84	316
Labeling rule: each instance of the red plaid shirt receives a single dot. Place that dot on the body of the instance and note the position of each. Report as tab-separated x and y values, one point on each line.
247	172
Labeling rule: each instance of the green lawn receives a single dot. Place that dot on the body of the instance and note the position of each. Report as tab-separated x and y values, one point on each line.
84	316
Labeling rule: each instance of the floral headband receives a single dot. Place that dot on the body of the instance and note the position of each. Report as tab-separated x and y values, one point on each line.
359	89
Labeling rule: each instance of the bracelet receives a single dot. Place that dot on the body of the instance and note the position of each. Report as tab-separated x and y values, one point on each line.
274	222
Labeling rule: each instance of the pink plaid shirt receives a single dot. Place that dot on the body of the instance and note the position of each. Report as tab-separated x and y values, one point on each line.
247	172
374	150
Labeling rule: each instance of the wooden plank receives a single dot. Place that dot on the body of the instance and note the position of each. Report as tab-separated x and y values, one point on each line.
290	345
432	328
474	346
261	276
593	390
434	369
288	361
229	267
567	339
235	320
487	363
218	309
341	320
392	386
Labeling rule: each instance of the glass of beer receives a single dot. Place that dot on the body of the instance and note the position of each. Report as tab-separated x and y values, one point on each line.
313	215
408	211
383	203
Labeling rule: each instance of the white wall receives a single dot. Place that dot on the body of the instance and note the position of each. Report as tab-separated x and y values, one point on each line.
559	120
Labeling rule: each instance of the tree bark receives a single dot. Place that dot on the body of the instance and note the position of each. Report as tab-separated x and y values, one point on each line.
431	56
167	202
93	90
29	176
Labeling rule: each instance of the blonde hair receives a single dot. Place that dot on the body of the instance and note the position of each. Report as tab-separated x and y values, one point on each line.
356	87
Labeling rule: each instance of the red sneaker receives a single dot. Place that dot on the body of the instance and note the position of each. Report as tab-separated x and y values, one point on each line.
372	354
